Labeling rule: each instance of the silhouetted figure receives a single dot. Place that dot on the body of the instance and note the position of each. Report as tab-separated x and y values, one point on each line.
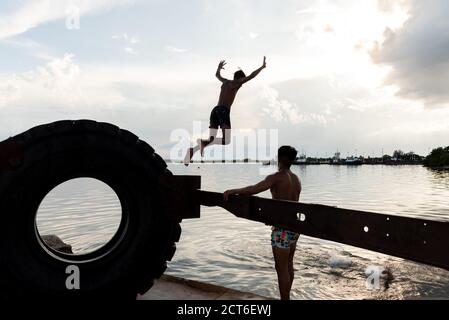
284	185
220	115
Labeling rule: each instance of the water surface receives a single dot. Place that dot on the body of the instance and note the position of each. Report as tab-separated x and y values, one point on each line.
232	252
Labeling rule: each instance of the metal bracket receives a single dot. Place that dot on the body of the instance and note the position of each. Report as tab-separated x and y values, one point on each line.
179	196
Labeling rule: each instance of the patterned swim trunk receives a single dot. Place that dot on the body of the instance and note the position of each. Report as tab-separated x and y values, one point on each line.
281	238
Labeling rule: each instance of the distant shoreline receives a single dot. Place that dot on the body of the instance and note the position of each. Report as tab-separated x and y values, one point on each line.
265	163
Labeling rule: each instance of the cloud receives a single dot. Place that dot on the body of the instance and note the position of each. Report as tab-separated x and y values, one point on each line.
388	6
143	98
418	53
253	35
131	51
316	10
175	49
127	38
55	78
65	84
8	93
283	110
60	83
280	109
33	13
130	42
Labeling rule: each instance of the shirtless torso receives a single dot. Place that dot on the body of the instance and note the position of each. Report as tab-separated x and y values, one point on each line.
286	186
229	90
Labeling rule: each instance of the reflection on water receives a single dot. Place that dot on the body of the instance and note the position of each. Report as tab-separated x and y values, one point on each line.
84	213
224	250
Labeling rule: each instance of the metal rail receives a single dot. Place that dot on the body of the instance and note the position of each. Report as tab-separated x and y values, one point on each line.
418	240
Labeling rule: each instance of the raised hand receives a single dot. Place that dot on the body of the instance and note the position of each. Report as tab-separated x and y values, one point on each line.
264	64
221	64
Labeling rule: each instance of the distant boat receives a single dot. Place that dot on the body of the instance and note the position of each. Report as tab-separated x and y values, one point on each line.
302	159
337	158
352	161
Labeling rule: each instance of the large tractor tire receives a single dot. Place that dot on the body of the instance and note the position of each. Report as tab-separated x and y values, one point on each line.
38	160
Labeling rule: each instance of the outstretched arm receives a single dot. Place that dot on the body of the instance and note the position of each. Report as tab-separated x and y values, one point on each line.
262	186
218	73
254	73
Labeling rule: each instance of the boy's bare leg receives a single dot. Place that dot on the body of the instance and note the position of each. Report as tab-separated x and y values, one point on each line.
214	140
226	131
204	143
189	155
201	145
291	269
281	259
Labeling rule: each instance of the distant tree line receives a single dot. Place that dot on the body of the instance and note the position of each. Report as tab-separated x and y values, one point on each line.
438	158
401	157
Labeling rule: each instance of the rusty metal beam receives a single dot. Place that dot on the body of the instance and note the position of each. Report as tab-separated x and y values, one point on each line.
418	240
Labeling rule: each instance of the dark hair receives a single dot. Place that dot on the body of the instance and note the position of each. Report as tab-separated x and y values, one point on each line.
239	74
287	154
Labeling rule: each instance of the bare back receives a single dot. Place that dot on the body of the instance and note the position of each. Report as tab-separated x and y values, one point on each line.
287	186
228	92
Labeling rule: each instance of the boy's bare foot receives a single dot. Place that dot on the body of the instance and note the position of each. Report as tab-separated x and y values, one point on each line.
202	145
188	157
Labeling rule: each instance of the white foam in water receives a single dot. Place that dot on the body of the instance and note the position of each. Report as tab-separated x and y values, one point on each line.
339	262
370	269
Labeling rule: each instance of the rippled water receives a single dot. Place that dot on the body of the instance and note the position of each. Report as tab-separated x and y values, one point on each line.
84	213
232	252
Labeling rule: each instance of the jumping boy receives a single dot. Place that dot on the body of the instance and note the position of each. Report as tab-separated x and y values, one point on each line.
220	115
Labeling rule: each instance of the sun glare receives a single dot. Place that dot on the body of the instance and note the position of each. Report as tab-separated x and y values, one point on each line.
337	40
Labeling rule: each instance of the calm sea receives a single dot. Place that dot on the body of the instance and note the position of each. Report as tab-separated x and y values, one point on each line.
232	252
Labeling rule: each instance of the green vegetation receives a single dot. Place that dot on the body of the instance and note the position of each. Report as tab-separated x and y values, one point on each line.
409	157
438	158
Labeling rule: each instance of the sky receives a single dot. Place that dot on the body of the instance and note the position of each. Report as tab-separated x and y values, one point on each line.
349	75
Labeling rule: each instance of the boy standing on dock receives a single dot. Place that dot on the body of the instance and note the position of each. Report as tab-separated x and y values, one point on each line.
284	185
220	115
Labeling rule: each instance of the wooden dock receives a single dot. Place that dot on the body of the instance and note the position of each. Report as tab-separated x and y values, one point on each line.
173	288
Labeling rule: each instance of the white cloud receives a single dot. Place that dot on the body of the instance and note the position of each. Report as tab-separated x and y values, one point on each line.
64	84
282	110
389	6
131	51
175	49
127	38
33	13
418	53
60	84
130	42
55	78
253	35
8	93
